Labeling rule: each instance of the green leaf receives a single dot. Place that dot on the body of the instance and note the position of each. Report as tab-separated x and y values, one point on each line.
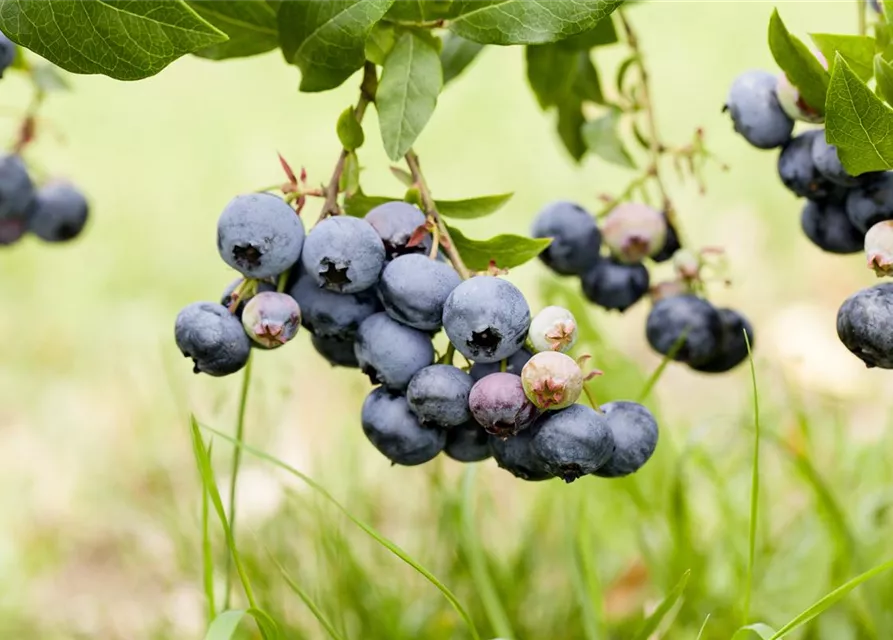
327	40
754	483
123	39
421	11
359	204
456	55
587	84
883	71
858	51
858	122
350	131
403	176
763	630
601	35
472	207
505	250
506	22
407	93
570	126
603	139
653	621
550	72
250	24
224	626
350	176
888	11
380	41
801	67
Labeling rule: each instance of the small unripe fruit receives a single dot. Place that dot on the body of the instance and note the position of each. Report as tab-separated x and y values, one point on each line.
634	231
793	103
553	329
686	264
552	380
879	248
499	405
271	319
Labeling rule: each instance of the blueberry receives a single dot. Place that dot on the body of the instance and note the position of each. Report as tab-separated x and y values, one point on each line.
573	442
343	254
613	285
864	325
827	163
829	228
553	329
337	350
271	319
634	431
58	212
328	314
12	229
395	432
514	364
552	380
733	347
226	299
213	338
671	245
468	443
486	318
7	53
414	288
756	112
799	173
438	396
259	235
516	456
499	405
576	238
395	223
670	317
391	353
872	202
634	231
879	248
16	188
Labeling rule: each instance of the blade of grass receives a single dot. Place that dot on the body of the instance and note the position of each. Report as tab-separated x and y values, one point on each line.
225	625
666	360
831	599
763	630
703	626
585	576
234	473
477	562
754	486
651	622
390	546
207	557
306	599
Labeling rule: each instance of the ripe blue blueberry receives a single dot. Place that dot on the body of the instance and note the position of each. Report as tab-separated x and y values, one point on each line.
576	238
468	443
343	254
271	319
16	188
486	318
438	396
573	442
615	286
413	289
797	170
829	228
226	299
391	353
7	53
671	245
865	325
259	235
395	223
328	314
732	349
516	456
394	431
634	431
58	212
499	405
698	319
756	112
212	337
827	163
872	202
514	364
338	351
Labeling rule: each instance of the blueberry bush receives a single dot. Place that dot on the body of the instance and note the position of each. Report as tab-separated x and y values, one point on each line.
459	362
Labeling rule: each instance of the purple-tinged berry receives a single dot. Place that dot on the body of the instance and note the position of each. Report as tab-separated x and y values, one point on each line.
514	363
395	223
499	405
394	431
468	443
552	380
756	112
634	231
733	347
576	239
58	213
553	329
865	325
343	254
615	286
414	288
879	248
438	396
574	442
391	353
213	338
516	456
690	316
634	431
827	225
271	319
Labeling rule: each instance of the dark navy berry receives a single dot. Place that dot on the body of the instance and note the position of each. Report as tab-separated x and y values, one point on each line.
499	405
698	319
516	456
733	347
756	112
468	443
514	364
271	319
16	188
343	254
616	286
576	239
438	396
414	288
259	235
391	353
337	350
213	338
634	431
395	223
486	318
395	432
671	245
328	314
798	171
7	53
573	442
872	202
227	298
830	229
827	162
58	212
865	325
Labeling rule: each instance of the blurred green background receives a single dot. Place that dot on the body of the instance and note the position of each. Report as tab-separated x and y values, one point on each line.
99	495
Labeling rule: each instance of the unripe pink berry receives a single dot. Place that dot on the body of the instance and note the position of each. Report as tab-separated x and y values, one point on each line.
879	248
792	103
553	329
634	231
271	319
552	380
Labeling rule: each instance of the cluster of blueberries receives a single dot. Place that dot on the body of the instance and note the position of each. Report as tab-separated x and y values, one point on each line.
681	323
843	214
373	293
